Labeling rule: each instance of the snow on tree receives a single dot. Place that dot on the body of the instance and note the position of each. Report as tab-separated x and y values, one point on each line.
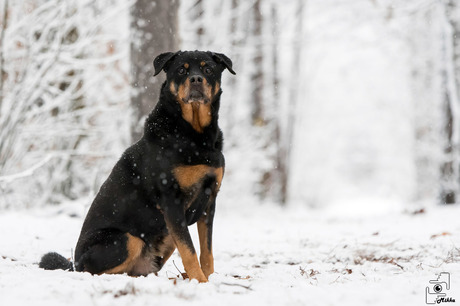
64	98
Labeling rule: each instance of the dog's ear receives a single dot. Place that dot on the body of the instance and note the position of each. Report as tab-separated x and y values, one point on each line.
162	60
223	59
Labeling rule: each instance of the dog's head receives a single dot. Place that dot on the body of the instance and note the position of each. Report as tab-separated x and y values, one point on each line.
193	76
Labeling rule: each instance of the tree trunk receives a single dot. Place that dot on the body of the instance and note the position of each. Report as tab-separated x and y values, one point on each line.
154	26
280	172
233	52
258	75
198	16
450	168
293	100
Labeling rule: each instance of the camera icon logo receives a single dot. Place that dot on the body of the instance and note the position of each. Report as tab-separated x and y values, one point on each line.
436	292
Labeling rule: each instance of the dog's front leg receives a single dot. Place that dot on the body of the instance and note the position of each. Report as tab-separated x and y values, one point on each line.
177	227
204	225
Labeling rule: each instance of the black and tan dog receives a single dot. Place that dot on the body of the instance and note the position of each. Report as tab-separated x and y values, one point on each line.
162	184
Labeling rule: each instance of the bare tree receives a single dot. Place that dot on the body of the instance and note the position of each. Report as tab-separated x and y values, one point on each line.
64	84
424	40
274	180
234	45
285	160
198	16
280	158
450	82
4	23
154	26
258	75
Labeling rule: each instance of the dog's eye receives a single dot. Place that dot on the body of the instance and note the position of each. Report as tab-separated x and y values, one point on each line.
181	70
208	70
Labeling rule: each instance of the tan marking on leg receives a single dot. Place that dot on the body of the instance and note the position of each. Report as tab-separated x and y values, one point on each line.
187	176
206	257
134	246
190	261
188	255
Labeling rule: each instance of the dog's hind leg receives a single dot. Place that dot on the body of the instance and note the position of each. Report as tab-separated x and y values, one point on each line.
117	253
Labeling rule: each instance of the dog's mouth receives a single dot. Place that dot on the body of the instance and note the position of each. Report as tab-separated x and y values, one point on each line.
196	94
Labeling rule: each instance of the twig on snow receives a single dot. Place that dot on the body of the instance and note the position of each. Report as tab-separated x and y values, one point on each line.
238	285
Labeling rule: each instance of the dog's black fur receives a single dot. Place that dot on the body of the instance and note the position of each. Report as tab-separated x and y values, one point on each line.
166	181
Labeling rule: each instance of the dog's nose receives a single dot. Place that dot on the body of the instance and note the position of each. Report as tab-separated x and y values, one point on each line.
196	79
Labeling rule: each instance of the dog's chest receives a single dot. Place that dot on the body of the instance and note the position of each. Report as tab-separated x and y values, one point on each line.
192	177
199	185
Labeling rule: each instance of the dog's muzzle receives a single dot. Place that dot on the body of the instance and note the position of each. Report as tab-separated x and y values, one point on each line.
196	91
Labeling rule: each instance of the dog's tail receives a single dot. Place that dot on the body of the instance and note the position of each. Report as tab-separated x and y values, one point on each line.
54	261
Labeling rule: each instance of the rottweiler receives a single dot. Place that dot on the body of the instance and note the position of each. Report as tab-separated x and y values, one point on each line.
165	182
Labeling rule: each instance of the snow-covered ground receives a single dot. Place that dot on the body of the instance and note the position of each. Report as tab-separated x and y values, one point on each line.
264	255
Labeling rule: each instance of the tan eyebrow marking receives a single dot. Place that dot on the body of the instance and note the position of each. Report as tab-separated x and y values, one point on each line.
203	63
186	65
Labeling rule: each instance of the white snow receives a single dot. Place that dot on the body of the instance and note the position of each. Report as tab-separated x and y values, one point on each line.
264	255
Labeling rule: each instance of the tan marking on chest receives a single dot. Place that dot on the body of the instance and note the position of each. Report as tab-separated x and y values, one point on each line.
197	114
187	176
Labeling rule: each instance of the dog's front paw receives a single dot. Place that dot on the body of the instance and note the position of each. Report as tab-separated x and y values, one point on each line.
207	271
201	278
195	274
